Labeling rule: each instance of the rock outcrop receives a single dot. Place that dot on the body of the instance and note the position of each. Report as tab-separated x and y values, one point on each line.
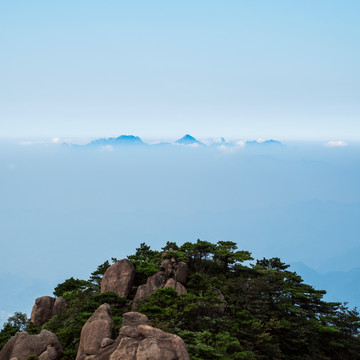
119	278
153	283
140	341
97	333
59	305
42	310
45	308
182	272
180	288
175	269
45	345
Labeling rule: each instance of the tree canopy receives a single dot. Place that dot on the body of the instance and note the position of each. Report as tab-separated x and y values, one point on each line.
233	309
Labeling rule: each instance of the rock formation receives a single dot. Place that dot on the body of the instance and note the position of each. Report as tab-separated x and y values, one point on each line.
180	288
97	333
140	341
119	278
45	345
175	269
153	283
45	308
42	310
59	305
137	339
181	272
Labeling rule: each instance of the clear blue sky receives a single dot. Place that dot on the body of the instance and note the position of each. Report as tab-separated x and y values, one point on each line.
241	69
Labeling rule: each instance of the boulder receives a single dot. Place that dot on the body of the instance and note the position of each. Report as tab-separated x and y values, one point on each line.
45	345
153	283
167	266
42	311
134	319
140	341
59	305
99	327
180	288
175	269
119	278
181	272
45	308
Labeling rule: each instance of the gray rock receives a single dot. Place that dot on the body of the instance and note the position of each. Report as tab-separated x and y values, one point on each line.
96	329
181	272
42	311
119	278
134	319
167	266
45	345
45	308
153	283
180	288
175	269
106	342
59	305
143	342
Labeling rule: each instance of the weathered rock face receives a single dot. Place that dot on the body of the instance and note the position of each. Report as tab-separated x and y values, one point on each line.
180	288
45	345
182	272
175	269
45	308
140	341
59	305
97	333
42	311
167	266
119	278
153	283
134	319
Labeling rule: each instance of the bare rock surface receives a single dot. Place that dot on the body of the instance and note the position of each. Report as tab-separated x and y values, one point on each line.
175	269
45	345
119	278
42	311
153	283
59	305
99	327
180	288
182	272
133	319
140	341
167	266
45	308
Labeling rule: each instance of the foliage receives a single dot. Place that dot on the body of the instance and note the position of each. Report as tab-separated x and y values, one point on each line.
70	285
146	262
15	323
231	310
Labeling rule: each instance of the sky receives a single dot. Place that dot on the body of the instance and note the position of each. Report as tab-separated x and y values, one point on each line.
159	69
238	69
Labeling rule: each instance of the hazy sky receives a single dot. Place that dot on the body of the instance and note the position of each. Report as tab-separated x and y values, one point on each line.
241	69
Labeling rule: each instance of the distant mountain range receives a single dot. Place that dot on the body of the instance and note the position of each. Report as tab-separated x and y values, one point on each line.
121	140
186	140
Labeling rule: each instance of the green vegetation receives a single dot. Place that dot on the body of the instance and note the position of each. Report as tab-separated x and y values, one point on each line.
232	309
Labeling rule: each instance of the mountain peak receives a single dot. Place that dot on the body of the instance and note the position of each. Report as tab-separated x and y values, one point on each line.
120	140
188	140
